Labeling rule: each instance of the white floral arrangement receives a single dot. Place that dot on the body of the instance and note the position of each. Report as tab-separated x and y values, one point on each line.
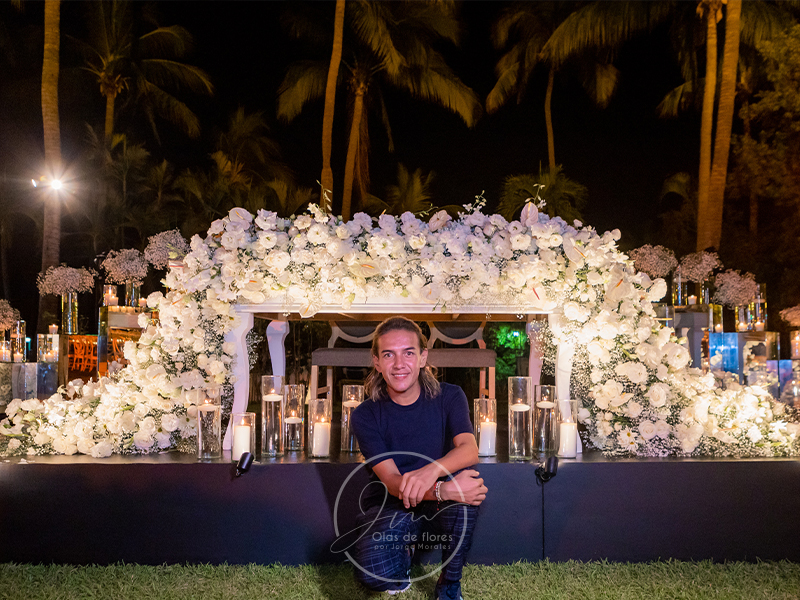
165	246
639	395
735	289
699	266
791	315
8	315
656	261
125	266
65	280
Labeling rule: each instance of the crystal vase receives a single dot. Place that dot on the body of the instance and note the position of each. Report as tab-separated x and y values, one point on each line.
133	292
680	289
69	313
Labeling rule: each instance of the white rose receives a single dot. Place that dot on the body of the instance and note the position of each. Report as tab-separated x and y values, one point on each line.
663	429
634	371
143	440
575	312
647	429
14	443
657	394
169	422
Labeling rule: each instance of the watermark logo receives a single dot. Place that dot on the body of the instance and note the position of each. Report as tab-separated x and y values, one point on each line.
381	527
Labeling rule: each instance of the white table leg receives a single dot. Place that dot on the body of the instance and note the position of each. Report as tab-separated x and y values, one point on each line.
241	370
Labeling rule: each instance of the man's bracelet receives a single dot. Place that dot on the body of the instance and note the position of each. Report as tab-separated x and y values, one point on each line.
437	489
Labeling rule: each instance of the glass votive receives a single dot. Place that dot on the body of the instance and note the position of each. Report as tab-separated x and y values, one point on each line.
53	329
42	347
293	413
794	339
567	428
352	396
271	416
209	426
5	351
520	426
18	341
319	426
544	402
486	426
715	318
244	434
110	295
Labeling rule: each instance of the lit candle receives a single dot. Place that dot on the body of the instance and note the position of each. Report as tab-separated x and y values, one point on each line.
293	420
718	328
742	326
692	299
113	300
241	441
568	440
5	354
320	445
350	403
759	326
488	436
53	329
521	407
142	302
272	397
546	404
17	357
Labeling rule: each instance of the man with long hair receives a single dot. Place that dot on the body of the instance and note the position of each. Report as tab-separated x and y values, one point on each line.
417	437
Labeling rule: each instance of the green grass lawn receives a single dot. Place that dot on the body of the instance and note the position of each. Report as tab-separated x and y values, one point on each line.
539	581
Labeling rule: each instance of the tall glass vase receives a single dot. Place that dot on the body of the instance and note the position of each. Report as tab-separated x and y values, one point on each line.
133	292
69	313
680	289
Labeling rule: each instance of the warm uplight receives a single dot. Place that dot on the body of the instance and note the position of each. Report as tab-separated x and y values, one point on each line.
56	184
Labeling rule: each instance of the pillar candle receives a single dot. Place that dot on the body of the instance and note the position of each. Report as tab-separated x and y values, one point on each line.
320	445
759	326
350	403
53	329
17	357
272	397
568	440
241	441
718	328
488	436
692	299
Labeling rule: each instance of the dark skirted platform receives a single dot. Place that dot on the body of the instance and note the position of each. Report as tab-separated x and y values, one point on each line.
171	509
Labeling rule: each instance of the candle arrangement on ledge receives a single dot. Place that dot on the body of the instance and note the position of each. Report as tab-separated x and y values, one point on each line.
47	348
520	426
486	426
271	415
244	434
544	401
352	396
209	424
567	442
293	417
319	426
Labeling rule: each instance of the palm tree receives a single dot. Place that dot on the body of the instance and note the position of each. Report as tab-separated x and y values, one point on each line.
386	43
411	193
51	236
564	197
144	65
330	102
525	28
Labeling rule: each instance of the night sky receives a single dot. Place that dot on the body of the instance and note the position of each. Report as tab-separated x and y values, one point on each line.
622	153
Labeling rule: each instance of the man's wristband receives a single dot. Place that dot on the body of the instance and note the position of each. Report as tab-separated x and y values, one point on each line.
437	490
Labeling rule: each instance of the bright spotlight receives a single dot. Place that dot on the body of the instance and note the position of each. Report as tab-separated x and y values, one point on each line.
56	184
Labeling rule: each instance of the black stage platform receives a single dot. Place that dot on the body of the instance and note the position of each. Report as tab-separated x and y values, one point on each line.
171	509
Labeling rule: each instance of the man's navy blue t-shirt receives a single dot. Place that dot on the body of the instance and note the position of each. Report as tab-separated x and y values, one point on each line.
426	427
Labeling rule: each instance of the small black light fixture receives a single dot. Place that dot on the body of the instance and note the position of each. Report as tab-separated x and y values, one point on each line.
547	470
243	466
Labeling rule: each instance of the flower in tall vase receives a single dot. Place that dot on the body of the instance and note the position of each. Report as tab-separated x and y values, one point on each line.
127	266
736	291
66	282
792	317
8	316
656	261
165	247
698	268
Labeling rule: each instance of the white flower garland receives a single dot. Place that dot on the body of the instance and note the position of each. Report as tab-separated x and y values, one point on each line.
639	396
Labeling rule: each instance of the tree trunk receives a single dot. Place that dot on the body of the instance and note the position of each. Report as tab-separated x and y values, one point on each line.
352	149
722	142
109	130
330	102
548	119
747	152
706	126
51	234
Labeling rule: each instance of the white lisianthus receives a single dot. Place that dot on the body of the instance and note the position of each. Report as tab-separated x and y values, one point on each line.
634	371
657	394
647	429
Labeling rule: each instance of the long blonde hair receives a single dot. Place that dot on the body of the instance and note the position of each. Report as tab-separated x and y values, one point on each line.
375	384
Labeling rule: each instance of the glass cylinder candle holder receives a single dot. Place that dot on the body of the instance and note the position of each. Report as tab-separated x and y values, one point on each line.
544	403
794	339
209	426
520	418
271	415
567	428
53	329
742	313
486	426
320	412
293	417
759	308
680	289
244	434
352	396
18	341
715	318
5	351
110	295
44	348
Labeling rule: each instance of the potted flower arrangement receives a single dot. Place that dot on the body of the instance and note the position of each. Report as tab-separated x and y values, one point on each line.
697	268
126	266
792	317
736	291
66	282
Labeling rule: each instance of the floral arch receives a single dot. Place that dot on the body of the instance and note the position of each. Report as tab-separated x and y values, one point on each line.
639	396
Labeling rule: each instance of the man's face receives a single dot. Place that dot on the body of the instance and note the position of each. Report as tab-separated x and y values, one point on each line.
399	360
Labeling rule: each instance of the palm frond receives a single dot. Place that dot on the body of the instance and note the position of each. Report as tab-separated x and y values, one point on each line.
602	83
678	100
761	21
369	21
163	72
170	108
603	24
166	41
304	81
437	18
507	70
564	197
